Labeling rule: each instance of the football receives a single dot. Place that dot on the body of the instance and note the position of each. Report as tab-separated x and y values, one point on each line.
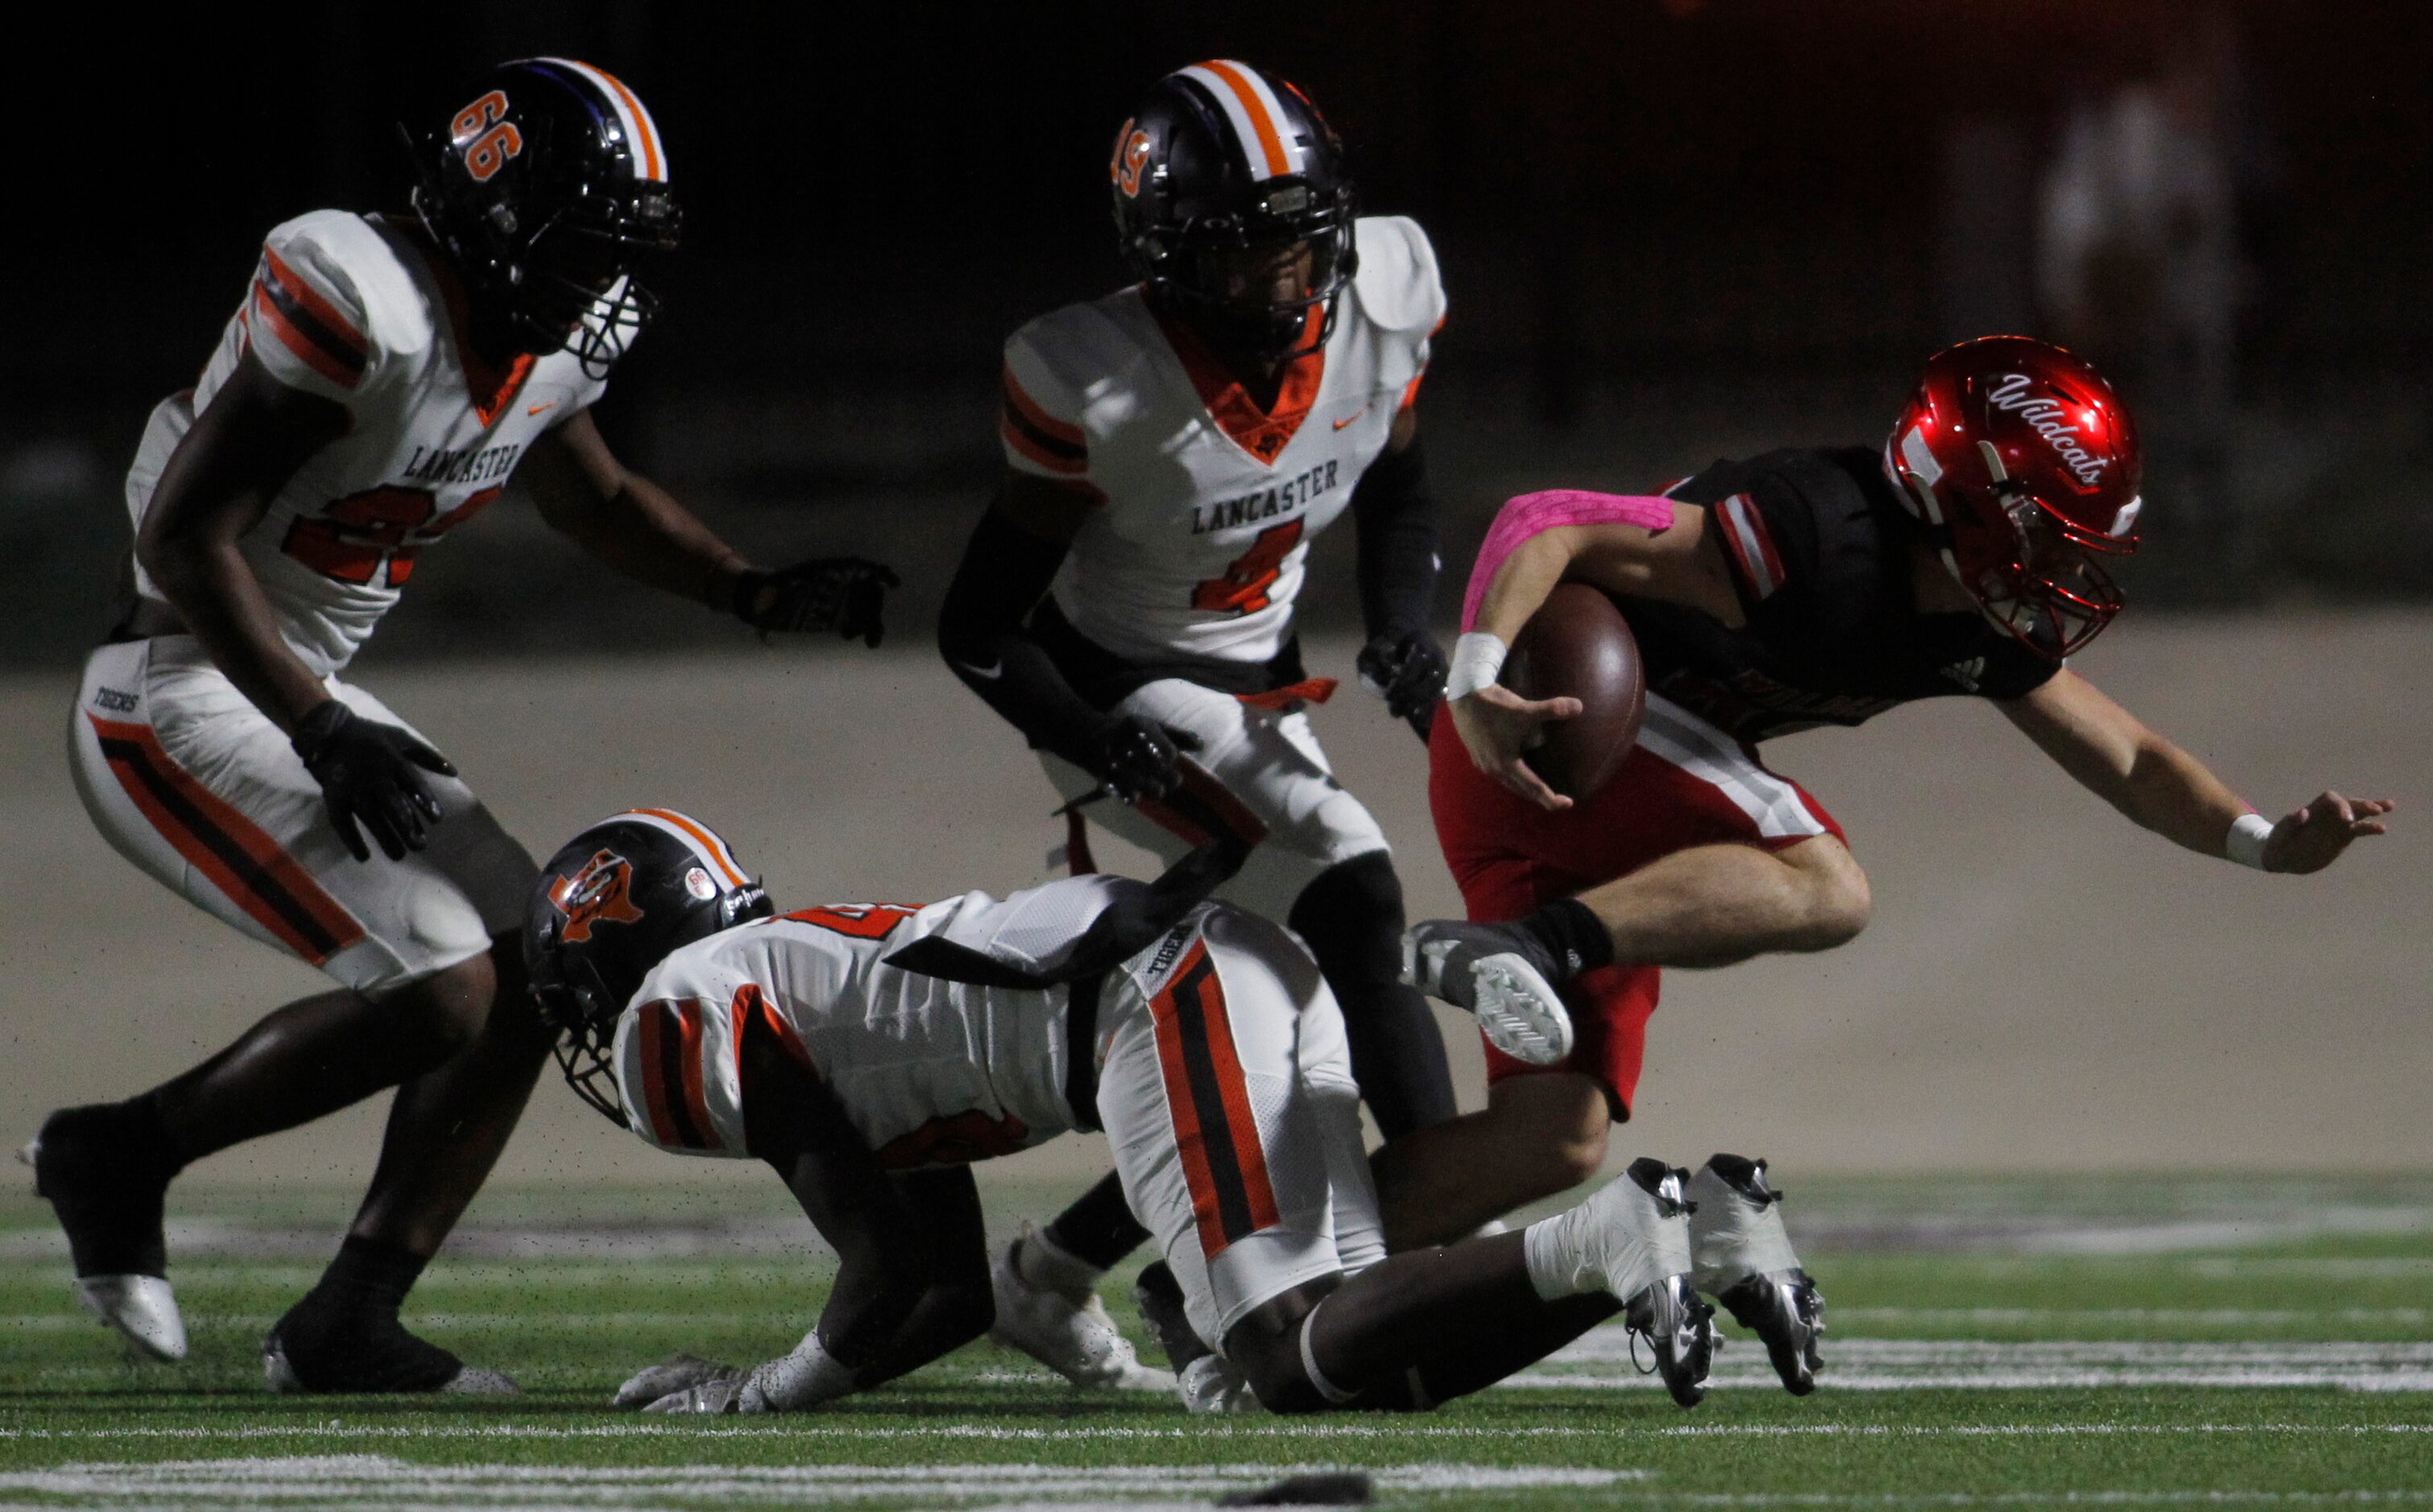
1577	644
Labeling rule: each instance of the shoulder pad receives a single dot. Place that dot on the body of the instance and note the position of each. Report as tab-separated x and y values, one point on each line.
1398	283
333	304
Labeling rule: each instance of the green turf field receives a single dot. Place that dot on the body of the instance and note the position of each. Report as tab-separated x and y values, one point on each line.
2158	1341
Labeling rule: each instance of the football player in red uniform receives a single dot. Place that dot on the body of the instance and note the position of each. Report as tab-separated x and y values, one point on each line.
382	380
1798	589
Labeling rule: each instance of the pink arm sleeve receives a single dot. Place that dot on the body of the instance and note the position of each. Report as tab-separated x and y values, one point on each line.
1533	513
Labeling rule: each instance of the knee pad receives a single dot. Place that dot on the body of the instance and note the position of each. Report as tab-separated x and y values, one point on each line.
1352	915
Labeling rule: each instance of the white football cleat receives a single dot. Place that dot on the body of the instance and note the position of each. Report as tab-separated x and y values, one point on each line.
1074	1339
1209	1383
1489	970
141	1307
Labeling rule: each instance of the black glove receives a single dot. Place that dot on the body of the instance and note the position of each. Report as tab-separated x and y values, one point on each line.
840	593
1408	670
1133	757
367	771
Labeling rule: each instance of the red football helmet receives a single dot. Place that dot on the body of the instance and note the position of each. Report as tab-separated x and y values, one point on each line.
2024	466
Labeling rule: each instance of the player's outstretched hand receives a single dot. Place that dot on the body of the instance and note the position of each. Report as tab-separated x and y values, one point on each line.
1408	670
1134	756
1498	726
2312	837
845	594
370	775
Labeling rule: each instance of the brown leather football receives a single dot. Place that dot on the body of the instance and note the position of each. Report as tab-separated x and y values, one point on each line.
1577	644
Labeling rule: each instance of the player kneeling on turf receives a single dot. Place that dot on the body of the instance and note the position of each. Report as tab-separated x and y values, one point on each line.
869	1052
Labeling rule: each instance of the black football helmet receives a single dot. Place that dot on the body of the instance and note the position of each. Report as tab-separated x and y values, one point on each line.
1221	160
548	189
609	905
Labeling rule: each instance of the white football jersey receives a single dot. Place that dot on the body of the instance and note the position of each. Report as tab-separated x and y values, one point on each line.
1207	503
358	310
931	1072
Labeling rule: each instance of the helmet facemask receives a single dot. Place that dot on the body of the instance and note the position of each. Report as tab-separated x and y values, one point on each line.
1235	275
2047	590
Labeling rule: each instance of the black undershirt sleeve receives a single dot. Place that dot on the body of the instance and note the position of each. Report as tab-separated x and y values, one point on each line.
1006	570
1398	562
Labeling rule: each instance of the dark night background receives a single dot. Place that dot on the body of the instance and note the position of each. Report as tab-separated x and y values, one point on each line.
1669	231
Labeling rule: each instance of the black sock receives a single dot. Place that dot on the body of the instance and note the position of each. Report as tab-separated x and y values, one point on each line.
1572	933
1352	916
371	1275
1099	1229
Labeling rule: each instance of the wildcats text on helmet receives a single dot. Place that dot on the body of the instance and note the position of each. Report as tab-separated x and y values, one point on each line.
2051	420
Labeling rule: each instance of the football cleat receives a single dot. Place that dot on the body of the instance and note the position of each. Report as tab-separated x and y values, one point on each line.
316	1350
141	1307
110	1205
1631	1238
1500	976
1680	1327
1209	1383
1072	1336
1784	1309
1744	1258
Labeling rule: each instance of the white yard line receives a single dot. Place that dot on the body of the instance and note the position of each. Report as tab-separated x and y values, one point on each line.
1902	1364
1230	1429
357	1481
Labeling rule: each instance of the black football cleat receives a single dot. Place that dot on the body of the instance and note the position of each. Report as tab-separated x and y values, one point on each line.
322	1348
1680	1327
1498	975
108	1187
1785	1310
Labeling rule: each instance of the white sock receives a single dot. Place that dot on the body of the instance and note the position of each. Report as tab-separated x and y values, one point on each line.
1557	1261
1731	1239
1049	1266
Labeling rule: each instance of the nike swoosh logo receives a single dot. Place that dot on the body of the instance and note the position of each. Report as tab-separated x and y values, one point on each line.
536	409
1340	424
991	673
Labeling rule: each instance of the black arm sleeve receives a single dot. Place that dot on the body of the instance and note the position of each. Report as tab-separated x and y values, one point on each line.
1004	574
906	1250
1399	563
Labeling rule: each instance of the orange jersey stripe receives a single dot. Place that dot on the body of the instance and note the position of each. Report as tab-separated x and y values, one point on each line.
1060	430
651	1047
689	1028
309	297
228	849
306	349
1069	466
1270	142
1216	1136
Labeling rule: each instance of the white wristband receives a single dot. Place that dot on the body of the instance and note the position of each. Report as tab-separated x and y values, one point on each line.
2245	842
1476	658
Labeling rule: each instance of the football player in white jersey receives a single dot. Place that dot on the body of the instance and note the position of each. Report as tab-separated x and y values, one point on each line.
870	1052
1126	600
377	388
